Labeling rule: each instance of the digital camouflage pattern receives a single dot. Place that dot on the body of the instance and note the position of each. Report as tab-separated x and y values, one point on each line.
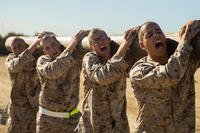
24	92
59	79
165	93
104	107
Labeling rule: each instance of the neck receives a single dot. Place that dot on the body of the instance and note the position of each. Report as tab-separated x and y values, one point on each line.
106	58
162	60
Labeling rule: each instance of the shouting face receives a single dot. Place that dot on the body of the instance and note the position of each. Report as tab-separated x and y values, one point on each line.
100	43
153	40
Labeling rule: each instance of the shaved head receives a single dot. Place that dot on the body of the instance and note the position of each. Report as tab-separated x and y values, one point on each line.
18	45
19	41
95	31
47	37
143	27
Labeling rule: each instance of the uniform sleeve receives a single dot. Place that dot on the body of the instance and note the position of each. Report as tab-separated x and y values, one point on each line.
54	69
16	64
104	73
162	76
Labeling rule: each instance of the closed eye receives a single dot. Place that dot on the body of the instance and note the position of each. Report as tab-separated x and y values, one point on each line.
149	34
159	31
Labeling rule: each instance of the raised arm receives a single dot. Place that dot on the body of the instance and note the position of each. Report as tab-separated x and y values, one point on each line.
103	74
74	41
163	76
54	69
16	63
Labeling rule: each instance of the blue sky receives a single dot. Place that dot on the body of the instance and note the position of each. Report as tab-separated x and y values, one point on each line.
66	17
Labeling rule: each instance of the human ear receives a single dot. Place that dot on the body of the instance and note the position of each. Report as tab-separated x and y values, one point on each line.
91	47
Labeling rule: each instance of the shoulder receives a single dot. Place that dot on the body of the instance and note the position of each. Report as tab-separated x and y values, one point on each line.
141	68
43	58
91	61
90	57
10	57
90	54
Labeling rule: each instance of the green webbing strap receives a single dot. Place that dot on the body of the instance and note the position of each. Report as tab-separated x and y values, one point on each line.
72	113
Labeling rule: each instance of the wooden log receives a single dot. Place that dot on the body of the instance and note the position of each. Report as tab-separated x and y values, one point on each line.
133	54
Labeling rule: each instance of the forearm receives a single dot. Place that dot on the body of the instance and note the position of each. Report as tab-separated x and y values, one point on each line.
108	73
54	69
122	50
178	62
33	46
18	63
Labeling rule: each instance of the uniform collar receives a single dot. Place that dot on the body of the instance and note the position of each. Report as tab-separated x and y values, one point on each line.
152	61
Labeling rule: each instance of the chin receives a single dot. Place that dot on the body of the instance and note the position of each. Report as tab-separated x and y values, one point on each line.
162	54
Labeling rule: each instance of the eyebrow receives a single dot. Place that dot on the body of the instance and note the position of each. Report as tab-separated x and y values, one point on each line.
100	36
158	29
147	33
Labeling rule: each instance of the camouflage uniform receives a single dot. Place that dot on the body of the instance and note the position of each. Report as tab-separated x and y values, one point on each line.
104	107
59	92
184	100
157	88
24	92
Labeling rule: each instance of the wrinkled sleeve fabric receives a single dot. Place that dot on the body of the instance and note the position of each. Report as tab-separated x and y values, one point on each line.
162	76
54	69
104	74
16	64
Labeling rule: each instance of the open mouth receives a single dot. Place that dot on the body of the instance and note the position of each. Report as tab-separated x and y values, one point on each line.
103	48
159	45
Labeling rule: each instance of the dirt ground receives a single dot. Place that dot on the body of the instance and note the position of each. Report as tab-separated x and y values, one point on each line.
131	105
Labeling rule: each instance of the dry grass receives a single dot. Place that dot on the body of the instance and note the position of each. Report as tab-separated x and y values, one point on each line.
131	106
4	89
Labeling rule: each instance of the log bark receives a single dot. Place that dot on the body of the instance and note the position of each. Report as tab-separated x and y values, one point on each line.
133	54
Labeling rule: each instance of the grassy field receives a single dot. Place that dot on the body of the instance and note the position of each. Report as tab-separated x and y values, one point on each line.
131	106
